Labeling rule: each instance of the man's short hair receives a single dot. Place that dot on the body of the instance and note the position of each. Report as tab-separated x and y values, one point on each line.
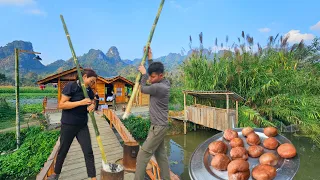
156	67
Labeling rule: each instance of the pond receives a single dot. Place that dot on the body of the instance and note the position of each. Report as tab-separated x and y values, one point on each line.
181	147
30	101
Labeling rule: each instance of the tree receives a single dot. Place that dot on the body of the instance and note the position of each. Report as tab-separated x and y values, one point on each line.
29	79
3	78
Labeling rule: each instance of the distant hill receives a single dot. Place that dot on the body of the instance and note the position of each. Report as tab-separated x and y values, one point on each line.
105	64
26	61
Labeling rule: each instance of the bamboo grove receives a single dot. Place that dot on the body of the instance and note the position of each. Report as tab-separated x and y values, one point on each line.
281	83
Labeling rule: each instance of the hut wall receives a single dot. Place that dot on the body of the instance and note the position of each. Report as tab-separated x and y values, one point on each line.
100	87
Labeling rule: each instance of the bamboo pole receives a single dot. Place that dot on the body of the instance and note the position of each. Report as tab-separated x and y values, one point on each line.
137	82
16	65
75	59
185	113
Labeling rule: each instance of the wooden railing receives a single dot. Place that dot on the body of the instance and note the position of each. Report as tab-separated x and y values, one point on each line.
116	122
48	168
49	107
154	171
211	117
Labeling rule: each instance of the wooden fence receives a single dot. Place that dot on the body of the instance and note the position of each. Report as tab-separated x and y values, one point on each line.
48	168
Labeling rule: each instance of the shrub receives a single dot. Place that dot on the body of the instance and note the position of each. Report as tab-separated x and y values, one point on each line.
33	153
137	126
31	108
8	140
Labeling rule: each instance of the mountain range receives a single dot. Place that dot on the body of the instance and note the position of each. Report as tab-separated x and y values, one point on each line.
105	64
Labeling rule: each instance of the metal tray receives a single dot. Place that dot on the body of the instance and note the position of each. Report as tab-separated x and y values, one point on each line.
200	168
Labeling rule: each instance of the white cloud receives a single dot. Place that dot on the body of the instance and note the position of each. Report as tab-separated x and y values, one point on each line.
218	48
28	6
175	5
264	30
316	26
295	36
17	2
36	12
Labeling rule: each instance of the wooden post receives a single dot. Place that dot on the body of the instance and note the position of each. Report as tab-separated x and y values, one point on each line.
195	103
185	113
110	120
236	124
227	109
59	90
185	106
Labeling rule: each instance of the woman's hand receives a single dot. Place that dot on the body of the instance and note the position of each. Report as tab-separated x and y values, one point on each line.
91	108
85	101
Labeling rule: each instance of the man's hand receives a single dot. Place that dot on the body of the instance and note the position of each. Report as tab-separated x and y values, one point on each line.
142	69
91	108
149	52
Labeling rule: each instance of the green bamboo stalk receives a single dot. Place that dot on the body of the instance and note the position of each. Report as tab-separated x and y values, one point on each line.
17	82
75	59
137	82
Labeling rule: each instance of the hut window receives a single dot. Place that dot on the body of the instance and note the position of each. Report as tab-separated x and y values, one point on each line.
119	91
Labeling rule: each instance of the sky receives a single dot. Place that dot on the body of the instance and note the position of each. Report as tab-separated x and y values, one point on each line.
126	24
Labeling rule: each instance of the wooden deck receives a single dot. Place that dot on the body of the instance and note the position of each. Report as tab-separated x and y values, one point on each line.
74	165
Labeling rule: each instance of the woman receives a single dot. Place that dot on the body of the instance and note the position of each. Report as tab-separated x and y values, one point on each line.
74	119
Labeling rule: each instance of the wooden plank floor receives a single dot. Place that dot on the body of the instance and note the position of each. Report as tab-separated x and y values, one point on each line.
74	166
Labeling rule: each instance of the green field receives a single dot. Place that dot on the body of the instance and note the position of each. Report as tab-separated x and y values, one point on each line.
27	105
28	95
11	89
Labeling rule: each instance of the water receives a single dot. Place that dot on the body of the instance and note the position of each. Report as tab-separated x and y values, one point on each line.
181	147
30	101
309	158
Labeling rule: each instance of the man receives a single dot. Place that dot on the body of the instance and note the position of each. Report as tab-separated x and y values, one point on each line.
159	99
96	98
114	101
